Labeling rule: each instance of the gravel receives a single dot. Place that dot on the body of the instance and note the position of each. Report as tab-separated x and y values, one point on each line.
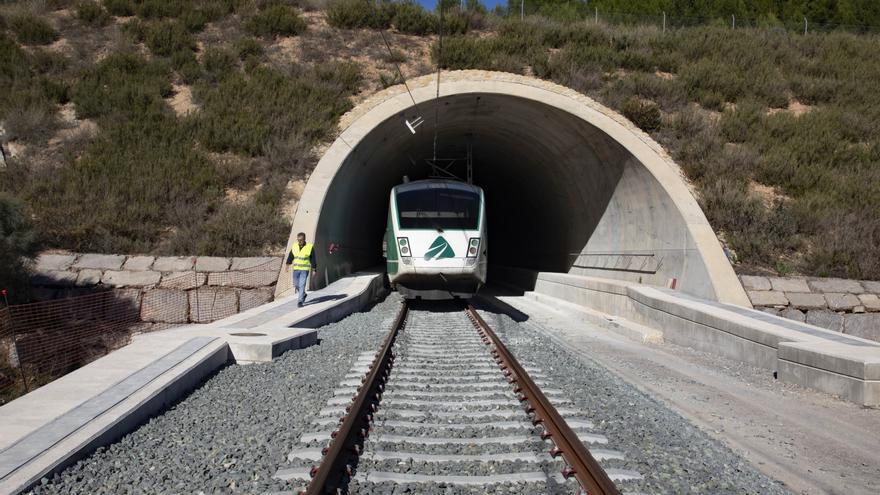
233	433
673	455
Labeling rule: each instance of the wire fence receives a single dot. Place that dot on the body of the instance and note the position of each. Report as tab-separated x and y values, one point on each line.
42	341
668	21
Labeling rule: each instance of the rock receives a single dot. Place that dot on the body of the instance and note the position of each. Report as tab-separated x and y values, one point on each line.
871	302
871	286
89	276
138	263
793	314
800	300
771	311
789	284
211	303
100	261
767	298
859	309
212	264
268	263
751	282
865	325
243	279
841	302
165	306
47	262
248	299
174	263
54	278
129	300
825	319
836	285
183	280
130	279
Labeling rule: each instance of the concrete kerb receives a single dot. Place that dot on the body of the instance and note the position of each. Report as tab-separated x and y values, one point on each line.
803	354
286	327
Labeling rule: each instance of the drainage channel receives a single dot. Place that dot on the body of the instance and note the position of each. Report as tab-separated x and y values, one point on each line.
445	404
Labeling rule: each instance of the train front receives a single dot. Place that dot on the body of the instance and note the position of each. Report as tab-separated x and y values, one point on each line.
438	247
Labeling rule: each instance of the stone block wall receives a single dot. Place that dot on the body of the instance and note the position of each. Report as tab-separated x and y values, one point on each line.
848	306
165	290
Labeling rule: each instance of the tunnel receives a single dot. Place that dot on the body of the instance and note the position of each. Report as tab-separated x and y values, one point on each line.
570	185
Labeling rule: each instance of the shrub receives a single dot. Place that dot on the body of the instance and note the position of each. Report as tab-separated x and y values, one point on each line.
413	19
643	113
167	37
155	9
19	245
248	47
122	83
276	20
218	63
92	13
356	14
120	8
32	30
186	65
245	111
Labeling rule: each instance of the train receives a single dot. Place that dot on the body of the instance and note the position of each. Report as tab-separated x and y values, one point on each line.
435	243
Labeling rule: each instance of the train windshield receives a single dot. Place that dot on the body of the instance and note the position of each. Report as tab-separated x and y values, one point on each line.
439	208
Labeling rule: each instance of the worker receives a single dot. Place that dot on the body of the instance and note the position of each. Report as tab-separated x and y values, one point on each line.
302	256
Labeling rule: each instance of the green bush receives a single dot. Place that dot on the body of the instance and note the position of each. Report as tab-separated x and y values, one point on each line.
121	84
356	14
120	8
643	113
219	63
92	13
413	19
19	245
186	65
32	30
157	9
276	20
168	37
248	47
245	111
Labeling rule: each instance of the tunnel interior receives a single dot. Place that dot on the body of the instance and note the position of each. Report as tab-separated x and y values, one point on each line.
561	194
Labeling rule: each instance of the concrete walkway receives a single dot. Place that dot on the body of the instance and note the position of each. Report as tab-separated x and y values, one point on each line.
811	441
65	420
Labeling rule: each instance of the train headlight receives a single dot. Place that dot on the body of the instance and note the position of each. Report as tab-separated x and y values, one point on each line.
473	247
403	246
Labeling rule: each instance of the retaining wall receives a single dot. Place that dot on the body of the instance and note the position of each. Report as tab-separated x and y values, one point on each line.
848	306
164	290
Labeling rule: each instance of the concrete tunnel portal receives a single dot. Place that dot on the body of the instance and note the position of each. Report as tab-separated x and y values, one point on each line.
570	186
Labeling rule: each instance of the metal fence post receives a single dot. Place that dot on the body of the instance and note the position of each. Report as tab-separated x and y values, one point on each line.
664	21
15	342
597	15
522	9
805	26
733	20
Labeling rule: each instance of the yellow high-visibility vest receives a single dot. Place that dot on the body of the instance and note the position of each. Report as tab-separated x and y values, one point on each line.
301	256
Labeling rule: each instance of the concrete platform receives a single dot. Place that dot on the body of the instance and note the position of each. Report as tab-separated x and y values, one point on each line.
807	355
63	421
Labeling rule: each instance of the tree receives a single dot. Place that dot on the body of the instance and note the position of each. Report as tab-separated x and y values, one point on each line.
18	247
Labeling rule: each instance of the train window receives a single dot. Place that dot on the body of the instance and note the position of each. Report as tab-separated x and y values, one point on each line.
446	209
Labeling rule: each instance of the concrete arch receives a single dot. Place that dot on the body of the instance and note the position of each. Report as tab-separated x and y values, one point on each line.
571	185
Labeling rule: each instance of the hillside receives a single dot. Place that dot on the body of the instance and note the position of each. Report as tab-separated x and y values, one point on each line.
189	127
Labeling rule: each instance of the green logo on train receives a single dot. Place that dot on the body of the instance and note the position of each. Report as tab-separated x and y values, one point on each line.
439	249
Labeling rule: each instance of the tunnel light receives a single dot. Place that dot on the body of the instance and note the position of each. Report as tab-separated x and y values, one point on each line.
473	247
415	123
403	247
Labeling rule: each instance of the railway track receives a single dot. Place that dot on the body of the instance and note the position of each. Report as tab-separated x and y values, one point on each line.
445	404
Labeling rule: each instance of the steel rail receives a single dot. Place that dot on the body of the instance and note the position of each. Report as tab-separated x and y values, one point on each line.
327	477
581	464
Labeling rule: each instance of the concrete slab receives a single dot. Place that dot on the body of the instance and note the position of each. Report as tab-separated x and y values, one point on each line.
63	421
744	334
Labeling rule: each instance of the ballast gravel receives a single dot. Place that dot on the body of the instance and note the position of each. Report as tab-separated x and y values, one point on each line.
673	455
233	433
